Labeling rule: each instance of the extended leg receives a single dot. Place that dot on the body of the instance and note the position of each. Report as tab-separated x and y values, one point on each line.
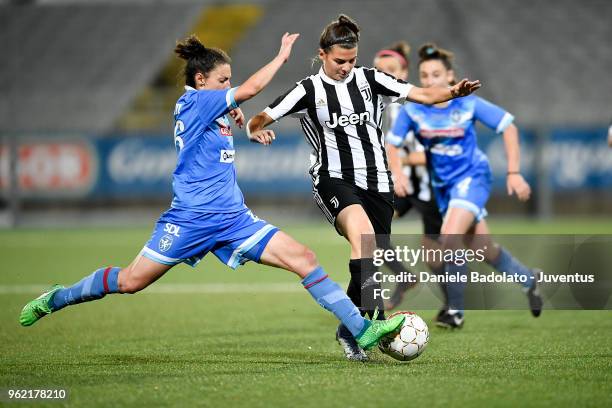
137	276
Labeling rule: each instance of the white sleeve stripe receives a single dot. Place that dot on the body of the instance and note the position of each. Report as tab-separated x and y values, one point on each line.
393	139
287	103
506	120
270	113
402	89
229	99
408	89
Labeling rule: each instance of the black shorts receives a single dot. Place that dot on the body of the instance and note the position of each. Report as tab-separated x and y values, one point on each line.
430	214
332	195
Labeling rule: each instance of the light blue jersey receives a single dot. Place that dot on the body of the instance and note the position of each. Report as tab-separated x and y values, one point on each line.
449	134
205	176
460	172
208	213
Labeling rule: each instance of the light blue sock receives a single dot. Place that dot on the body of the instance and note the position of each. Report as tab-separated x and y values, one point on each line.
94	286
454	290
328	294
505	262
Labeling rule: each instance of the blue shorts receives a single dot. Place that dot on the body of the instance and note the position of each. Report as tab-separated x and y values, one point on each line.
187	236
470	192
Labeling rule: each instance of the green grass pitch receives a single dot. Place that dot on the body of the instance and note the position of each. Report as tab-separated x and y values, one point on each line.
253	337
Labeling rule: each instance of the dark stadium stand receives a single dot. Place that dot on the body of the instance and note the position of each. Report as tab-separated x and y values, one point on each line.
78	67
546	61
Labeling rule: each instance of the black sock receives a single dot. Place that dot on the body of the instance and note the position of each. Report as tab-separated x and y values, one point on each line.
440	270
396	267
362	271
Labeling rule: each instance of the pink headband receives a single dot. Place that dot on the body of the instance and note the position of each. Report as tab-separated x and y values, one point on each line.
391	53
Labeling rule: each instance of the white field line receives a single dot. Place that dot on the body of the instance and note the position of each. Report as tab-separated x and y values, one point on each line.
171	288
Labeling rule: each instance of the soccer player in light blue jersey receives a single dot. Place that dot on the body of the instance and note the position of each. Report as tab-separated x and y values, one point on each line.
208	213
460	172
411	183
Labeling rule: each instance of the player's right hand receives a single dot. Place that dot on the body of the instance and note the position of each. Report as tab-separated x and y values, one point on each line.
516	184
286	44
264	137
464	87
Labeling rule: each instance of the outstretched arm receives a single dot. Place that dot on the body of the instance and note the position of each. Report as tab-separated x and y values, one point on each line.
515	183
261	78
430	96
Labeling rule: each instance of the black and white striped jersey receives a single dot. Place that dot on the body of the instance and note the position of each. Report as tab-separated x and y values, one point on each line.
418	177
342	121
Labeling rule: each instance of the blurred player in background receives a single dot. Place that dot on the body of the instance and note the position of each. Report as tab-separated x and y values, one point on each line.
411	183
340	109
208	213
460	173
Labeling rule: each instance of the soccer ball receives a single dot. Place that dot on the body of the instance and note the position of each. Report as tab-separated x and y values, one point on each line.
411	340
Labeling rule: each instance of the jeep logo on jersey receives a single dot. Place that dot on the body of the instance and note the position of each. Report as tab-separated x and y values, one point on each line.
345	120
227	156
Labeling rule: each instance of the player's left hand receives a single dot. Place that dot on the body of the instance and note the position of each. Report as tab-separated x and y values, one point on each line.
238	117
264	137
515	183
464	87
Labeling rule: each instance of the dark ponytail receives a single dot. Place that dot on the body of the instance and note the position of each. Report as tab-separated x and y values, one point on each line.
343	32
431	51
199	58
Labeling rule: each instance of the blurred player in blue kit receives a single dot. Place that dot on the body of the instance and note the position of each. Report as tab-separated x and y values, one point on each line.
411	183
460	173
208	213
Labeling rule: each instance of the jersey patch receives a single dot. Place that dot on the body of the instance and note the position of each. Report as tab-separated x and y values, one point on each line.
227	156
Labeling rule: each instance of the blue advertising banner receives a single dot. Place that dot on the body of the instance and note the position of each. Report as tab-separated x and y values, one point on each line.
141	166
576	158
135	166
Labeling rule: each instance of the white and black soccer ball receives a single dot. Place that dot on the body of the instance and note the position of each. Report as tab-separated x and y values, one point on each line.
411	340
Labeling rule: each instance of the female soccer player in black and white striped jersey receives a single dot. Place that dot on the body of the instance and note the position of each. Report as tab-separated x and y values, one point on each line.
340	111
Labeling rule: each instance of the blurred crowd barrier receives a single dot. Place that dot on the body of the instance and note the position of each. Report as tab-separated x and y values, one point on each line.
80	168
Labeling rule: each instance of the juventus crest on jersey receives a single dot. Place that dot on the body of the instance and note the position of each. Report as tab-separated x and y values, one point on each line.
342	122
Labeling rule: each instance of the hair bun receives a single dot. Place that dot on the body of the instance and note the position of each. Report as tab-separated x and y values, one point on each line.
342	31
428	51
402	47
190	48
346	21
431	51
